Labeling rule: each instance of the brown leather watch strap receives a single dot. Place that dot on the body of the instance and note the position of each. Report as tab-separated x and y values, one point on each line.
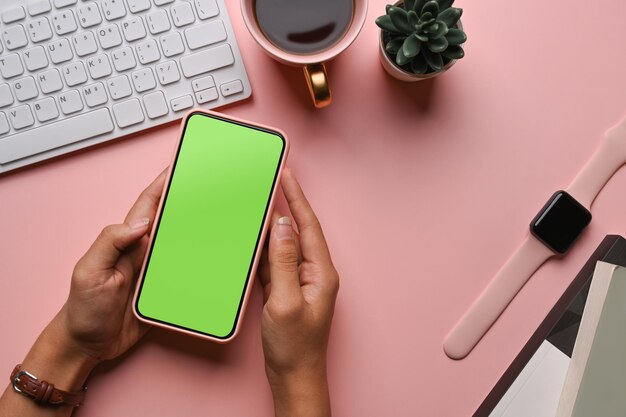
43	392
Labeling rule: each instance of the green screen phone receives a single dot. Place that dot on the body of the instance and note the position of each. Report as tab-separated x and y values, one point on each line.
207	236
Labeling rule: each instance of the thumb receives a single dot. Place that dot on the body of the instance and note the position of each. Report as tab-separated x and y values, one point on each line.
112	241
283	262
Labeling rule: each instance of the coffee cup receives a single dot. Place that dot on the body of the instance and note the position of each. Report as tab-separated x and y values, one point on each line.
292	34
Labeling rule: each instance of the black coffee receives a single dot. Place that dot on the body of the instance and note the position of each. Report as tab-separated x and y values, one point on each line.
304	26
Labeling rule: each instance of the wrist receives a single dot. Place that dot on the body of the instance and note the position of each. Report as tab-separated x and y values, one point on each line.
302	392
54	358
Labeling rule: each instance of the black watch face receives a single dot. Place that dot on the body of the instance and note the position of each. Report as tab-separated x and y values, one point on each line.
560	222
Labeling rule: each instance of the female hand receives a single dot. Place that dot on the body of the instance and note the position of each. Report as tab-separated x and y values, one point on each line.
96	322
98	313
300	286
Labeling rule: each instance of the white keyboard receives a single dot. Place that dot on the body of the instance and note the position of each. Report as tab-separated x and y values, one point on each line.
74	73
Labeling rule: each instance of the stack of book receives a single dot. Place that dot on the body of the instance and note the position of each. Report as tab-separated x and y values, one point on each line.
575	363
595	384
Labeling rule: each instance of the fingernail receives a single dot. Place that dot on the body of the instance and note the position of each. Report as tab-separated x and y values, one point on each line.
140	223
283	228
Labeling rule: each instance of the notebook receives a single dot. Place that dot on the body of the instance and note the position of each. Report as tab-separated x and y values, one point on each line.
532	384
595	384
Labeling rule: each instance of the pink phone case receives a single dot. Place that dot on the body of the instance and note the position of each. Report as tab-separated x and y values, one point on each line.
259	249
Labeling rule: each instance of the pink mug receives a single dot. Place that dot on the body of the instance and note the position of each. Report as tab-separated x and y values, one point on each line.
313	64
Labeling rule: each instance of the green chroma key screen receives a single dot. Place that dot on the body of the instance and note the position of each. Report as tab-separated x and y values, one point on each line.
210	225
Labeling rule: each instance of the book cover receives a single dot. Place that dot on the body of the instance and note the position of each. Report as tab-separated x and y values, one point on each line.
540	368
596	378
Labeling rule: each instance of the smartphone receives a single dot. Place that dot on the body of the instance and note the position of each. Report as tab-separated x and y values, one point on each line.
210	227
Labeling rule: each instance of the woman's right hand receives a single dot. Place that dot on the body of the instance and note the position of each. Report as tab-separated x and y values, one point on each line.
300	287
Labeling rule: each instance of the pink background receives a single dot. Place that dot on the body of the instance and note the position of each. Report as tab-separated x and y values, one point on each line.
424	190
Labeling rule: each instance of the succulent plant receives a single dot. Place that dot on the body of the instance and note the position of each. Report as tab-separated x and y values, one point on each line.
422	36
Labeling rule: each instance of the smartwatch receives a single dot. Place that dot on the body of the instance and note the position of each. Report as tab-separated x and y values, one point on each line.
552	232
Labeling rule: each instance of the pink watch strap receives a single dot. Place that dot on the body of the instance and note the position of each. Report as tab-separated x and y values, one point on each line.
496	297
607	159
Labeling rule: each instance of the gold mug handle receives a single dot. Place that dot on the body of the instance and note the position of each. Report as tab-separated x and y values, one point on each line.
317	80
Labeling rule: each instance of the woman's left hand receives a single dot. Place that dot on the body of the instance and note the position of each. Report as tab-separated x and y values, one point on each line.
96	322
98	316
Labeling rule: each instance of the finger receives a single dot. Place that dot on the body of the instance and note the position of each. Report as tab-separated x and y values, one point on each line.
145	207
112	242
136	253
148	201
264	271
137	328
283	261
264	265
274	219
264	279
312	241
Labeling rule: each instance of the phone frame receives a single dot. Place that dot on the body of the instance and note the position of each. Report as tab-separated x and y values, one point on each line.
260	239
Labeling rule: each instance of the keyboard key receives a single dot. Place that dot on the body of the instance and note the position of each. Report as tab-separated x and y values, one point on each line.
99	66
182	14
89	15
61	133
206	9
64	22
95	94
4	124
181	103
109	36
123	59
46	109
119	87
155	104
13	14
11	66
134	29
202	83
50	81
127	64
172	44
136	6
205	34
35	58
37	7
231	88
113	9
158	22
74	74
39	30
20	117
6	97
207	95
207	60
167	72
143	80
128	113
60	51
63	3
148	52
70	102
85	43
25	89
14	37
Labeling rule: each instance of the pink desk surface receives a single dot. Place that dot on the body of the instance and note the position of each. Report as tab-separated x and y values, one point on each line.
424	191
